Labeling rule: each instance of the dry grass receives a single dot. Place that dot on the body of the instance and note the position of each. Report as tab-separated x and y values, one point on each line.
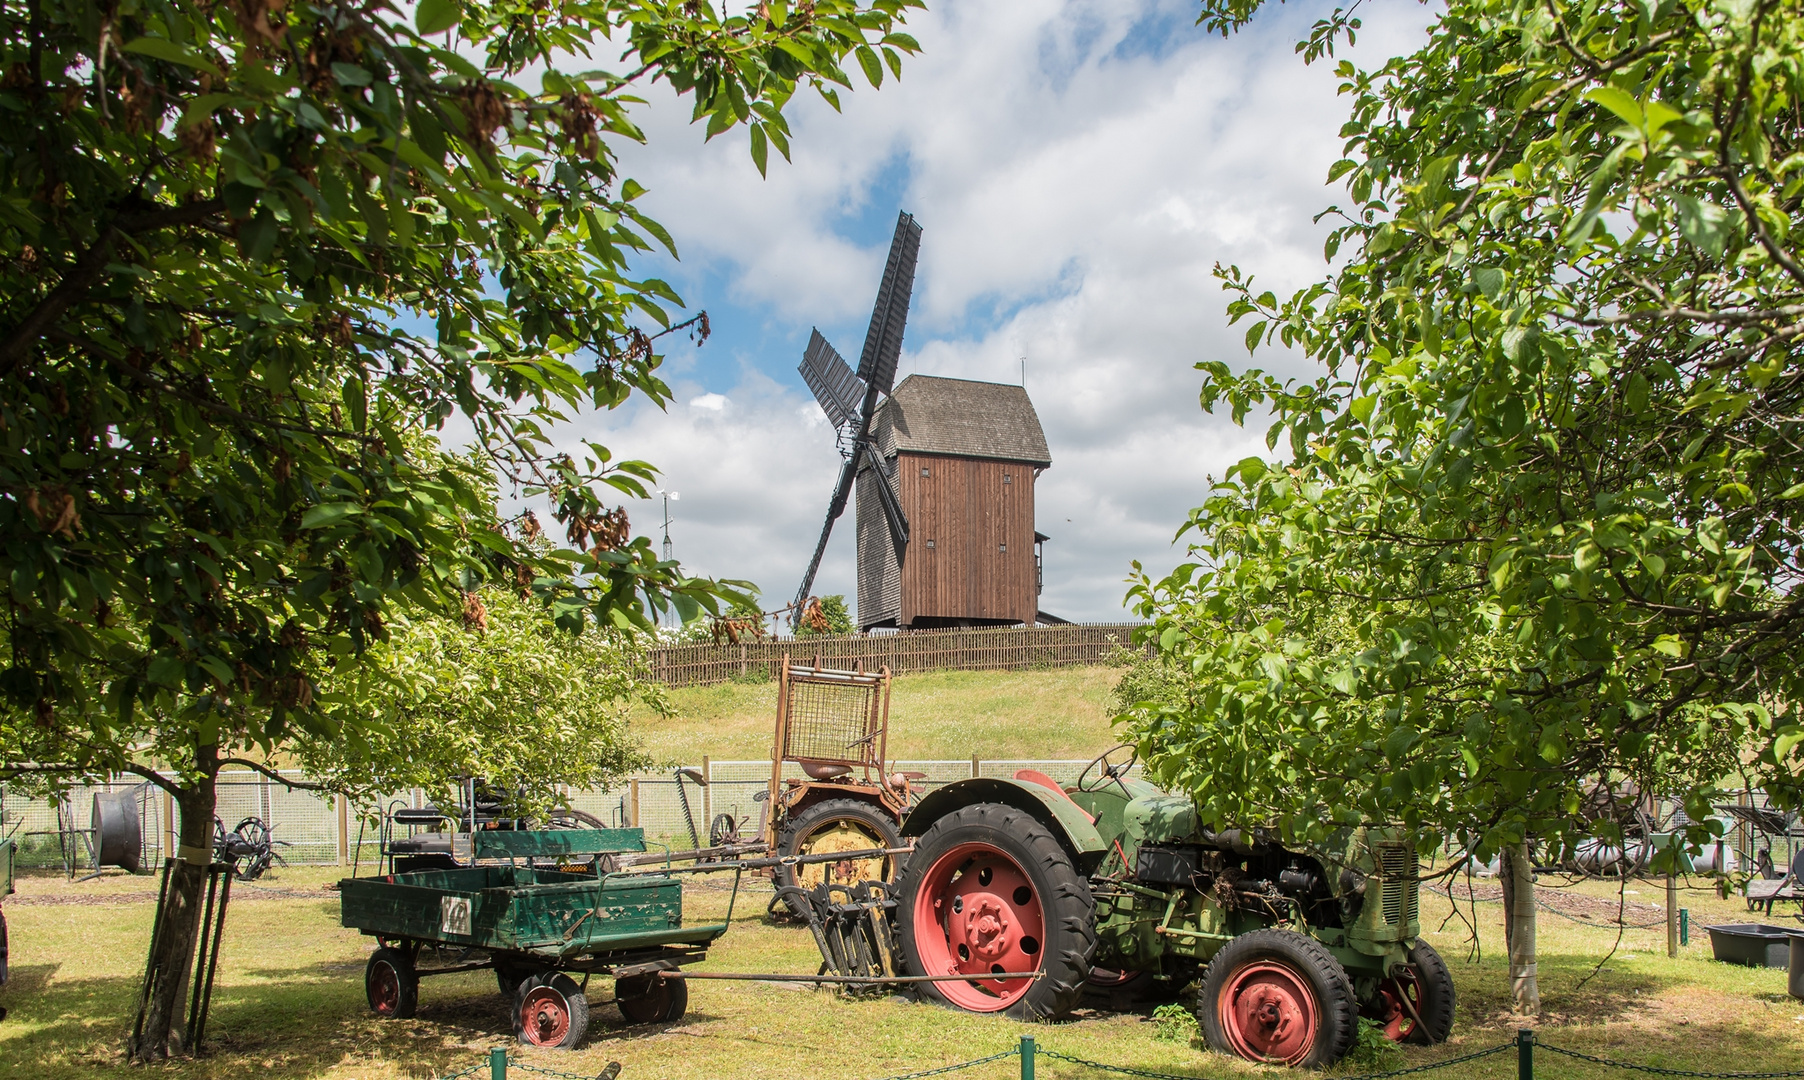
290	1002
1063	713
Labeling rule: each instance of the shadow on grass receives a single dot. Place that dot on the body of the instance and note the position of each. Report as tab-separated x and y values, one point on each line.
304	1021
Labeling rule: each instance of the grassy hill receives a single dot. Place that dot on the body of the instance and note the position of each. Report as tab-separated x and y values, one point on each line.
1063	713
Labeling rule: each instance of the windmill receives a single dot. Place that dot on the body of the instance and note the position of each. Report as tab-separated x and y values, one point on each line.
849	399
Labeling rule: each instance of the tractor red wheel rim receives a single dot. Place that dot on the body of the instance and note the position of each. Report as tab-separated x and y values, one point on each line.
1269	1014
1402	997
385	990
544	1017
976	913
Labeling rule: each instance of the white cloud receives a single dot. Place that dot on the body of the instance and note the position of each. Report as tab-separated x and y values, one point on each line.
1077	178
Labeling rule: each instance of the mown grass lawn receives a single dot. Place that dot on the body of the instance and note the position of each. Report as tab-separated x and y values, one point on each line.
290	1002
941	715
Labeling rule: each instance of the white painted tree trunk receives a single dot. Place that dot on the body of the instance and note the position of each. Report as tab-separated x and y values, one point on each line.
1518	879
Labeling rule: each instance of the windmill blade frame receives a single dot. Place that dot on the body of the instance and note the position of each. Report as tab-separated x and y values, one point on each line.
889	317
838	391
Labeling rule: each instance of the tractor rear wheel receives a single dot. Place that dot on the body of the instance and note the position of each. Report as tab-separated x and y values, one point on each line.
550	1010
1416	1005
838	825
988	890
1278	998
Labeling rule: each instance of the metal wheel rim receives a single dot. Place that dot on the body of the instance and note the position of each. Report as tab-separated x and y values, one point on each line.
1269	1014
544	1017
1403	1002
970	899
826	838
385	989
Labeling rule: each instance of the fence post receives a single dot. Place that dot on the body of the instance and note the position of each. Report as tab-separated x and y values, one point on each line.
707	791
498	1064
633	794
1027	1057
1672	908
1525	1054
974	767
344	830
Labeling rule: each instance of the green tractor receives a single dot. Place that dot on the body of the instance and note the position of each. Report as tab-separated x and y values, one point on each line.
1113	885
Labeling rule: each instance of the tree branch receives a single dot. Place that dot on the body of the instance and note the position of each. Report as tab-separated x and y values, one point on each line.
291	785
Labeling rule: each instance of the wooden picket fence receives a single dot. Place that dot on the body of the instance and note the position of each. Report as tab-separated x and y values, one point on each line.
1009	648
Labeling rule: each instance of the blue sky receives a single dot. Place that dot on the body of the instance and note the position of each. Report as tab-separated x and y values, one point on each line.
1078	169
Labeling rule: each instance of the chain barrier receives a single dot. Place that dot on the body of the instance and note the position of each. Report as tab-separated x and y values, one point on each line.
1524	1044
1149	1075
1658	1071
1009	1053
1547	907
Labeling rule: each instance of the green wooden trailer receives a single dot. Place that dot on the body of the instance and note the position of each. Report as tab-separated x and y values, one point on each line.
536	907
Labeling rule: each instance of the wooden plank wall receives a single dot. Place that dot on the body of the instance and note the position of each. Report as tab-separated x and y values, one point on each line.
979	517
1009	648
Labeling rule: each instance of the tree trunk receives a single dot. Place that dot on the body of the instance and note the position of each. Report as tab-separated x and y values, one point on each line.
163	1014
1517	871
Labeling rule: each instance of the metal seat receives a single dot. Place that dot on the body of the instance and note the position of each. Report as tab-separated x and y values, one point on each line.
821	770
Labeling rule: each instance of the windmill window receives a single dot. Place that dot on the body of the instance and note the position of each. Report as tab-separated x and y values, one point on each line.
1002	548
1008	478
930	543
925	471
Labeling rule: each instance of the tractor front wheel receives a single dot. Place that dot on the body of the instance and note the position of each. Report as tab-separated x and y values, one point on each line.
988	890
1416	1004
1278	998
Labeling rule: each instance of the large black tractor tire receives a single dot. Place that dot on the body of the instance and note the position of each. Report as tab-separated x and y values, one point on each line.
1278	997
837	824
989	889
550	1011
1435	987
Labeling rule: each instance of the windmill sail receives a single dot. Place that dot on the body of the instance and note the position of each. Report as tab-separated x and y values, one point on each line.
830	377
883	342
836	388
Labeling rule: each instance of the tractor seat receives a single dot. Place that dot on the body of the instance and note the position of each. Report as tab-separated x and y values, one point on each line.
912	775
425	815
820	770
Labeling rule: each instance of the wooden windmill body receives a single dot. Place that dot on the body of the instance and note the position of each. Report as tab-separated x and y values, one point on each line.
961	458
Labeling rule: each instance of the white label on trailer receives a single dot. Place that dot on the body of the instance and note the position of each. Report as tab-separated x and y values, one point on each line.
454	915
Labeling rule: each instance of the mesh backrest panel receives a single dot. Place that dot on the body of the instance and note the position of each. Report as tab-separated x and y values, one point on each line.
831	722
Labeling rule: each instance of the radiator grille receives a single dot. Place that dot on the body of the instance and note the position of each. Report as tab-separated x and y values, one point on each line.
1397	864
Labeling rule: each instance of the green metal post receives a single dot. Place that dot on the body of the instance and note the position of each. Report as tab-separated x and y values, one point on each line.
1684	926
498	1064
1525	1054
1027	1057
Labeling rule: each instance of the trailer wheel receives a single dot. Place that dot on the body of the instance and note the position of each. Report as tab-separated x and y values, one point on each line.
838	825
1277	997
989	890
1421	992
391	984
550	1010
649	999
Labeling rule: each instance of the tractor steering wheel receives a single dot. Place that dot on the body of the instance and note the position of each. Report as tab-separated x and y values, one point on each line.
1110	770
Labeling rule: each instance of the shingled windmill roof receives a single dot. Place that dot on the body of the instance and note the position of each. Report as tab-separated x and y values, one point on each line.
928	415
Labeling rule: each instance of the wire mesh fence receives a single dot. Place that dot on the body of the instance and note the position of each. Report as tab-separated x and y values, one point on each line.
316	828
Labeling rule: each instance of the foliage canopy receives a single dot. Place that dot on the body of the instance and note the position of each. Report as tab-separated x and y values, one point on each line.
1537	523
248	249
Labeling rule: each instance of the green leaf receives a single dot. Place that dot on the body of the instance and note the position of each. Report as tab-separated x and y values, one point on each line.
164	49
1251	469
1704	224
437	16
760	148
1361	408
1618	101
873	67
328	514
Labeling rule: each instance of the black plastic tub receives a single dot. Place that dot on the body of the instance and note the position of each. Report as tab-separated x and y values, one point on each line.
1752	944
